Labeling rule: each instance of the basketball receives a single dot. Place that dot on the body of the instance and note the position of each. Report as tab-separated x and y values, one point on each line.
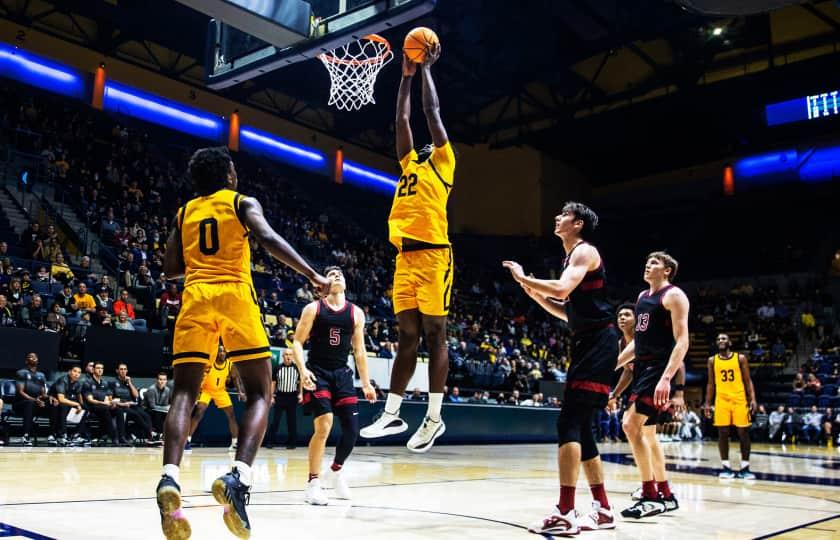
418	43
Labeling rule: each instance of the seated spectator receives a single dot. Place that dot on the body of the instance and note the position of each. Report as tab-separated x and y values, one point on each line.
514	398
43	275
67	392
416	395
813	385
103	299
64	298
33	315
15	296
7	317
52	251
760	424
128	408
828	425
799	383
170	303
55	321
60	272
30	236
32	399
123	322
690	429
777	350
100	403
475	398
774	424
156	401
83	301
791	425
122	304
455	396
812	425
304	294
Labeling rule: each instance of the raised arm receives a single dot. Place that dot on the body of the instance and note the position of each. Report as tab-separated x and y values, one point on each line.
304	327
405	141
555	307
626	356
360	353
584	259
431	104
254	219
676	302
748	384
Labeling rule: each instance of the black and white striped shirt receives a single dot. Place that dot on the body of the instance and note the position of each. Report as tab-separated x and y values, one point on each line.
287	378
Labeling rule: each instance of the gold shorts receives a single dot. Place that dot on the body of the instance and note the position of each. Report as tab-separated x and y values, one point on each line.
219	396
219	310
423	280
732	413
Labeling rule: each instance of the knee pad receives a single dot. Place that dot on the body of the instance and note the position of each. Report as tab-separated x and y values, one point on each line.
588	446
348	417
568	426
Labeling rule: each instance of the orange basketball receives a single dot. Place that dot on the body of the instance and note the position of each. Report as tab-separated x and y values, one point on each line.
418	42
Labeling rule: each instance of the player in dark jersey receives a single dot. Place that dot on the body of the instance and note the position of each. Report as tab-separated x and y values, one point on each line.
333	326
579	297
659	346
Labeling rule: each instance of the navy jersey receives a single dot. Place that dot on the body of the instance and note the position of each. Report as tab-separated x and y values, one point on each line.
33	383
65	386
587	306
654	336
332	335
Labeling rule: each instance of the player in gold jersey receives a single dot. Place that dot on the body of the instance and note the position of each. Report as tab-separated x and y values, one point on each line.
214	388
418	228
209	246
732	389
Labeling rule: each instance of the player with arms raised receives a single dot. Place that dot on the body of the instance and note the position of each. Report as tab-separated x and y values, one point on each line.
418	228
209	245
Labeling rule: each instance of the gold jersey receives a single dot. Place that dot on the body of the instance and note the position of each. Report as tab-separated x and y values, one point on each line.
419	207
216	375
214	239
729	384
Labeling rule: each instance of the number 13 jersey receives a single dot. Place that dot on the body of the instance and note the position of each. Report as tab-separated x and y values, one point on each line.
419	207
215	239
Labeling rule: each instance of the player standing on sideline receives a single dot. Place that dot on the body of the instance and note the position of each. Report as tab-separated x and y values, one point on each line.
423	277
594	350
209	245
660	343
335	325
730	385
214	387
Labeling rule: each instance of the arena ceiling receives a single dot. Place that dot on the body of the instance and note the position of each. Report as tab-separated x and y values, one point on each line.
616	88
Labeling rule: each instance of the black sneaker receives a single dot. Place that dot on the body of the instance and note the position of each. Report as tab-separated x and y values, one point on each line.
644	508
671	503
233	495
172	519
26	441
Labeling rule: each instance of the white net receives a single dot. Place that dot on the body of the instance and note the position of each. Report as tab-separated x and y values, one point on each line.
353	69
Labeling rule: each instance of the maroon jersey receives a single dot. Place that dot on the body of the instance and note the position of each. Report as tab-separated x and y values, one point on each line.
654	336
332	336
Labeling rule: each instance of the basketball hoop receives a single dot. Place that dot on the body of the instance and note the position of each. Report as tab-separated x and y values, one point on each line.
353	69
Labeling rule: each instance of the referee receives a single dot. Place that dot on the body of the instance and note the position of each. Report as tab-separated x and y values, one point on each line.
287	392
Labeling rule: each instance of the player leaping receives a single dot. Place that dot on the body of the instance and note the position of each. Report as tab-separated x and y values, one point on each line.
209	244
423	278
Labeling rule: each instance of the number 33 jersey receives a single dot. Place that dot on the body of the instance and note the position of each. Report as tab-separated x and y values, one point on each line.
419	207
215	240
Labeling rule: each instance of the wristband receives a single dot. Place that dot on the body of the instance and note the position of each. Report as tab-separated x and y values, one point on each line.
679	387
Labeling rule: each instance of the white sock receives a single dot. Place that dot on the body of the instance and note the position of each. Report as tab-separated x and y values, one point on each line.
172	471
725	464
745	464
189	439
392	404
244	472
233	440
435	403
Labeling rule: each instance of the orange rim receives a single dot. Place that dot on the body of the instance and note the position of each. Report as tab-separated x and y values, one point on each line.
331	58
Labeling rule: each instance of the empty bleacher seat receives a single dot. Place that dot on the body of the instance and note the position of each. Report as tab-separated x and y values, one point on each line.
808	400
794	400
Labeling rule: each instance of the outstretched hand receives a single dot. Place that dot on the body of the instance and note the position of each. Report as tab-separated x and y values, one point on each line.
515	269
409	68
321	284
432	55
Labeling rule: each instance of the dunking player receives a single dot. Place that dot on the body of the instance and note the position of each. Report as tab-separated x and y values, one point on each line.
580	297
660	343
730	385
209	244
335	325
423	277
214	387
626	315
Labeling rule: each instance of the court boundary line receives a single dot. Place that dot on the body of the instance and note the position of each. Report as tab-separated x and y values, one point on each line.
791	529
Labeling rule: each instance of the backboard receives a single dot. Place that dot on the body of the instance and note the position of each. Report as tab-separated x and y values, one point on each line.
248	38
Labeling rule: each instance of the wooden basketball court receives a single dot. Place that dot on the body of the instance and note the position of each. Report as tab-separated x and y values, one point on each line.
487	492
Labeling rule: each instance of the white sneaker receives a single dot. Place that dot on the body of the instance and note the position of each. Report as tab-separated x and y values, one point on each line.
339	484
424	438
386	424
314	494
232	447
557	524
636	495
597	518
